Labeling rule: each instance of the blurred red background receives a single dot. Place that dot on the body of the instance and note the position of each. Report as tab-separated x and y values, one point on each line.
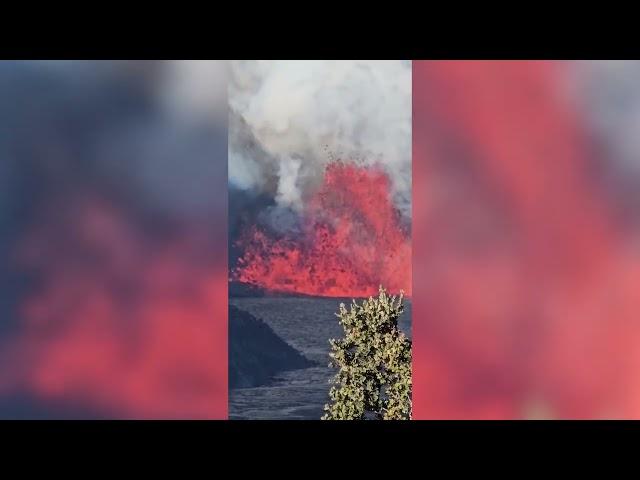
113	275
525	249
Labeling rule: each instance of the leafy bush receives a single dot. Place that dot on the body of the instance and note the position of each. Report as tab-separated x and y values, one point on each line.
374	361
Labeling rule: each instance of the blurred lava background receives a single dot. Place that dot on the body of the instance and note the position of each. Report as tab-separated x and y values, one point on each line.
113	242
526	239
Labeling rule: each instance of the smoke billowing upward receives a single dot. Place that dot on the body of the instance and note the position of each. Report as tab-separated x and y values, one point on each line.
289	118
301	133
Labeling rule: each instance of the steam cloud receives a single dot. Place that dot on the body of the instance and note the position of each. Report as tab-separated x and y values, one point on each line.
289	119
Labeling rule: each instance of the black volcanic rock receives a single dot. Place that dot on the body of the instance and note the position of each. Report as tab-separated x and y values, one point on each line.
256	353
241	289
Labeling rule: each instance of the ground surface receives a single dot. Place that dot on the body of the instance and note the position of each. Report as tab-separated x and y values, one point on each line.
306	324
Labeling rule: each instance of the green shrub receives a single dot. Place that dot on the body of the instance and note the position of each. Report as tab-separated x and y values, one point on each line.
374	363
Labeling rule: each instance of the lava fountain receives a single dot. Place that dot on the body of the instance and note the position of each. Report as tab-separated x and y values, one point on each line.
351	240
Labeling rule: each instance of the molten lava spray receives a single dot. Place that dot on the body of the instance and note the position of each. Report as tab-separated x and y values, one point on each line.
351	240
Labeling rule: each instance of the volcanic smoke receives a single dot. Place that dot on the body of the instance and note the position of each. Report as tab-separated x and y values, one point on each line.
351	240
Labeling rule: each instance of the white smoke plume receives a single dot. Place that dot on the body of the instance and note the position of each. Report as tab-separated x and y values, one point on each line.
289	118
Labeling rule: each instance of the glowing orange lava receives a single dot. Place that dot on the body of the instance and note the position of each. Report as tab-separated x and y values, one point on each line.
352	241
